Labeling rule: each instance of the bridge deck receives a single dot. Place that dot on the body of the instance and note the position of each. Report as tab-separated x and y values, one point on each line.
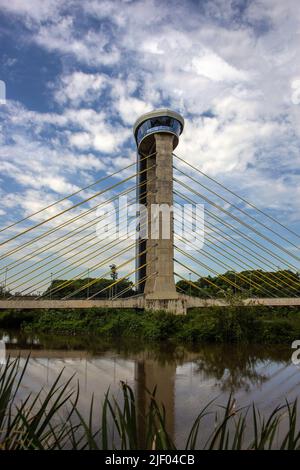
140	302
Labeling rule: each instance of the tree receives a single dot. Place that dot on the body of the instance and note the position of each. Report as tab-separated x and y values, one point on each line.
113	272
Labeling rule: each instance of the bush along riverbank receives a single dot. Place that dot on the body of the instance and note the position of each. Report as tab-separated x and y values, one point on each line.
233	324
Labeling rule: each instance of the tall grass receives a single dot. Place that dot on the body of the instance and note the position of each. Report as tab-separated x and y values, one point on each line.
51	420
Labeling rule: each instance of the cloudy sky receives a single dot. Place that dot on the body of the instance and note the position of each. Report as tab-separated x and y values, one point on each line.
78	74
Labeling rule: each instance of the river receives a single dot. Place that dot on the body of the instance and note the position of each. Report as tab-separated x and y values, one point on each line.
186	378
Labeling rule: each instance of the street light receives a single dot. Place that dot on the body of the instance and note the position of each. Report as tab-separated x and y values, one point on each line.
234	281
5	278
51	274
190	274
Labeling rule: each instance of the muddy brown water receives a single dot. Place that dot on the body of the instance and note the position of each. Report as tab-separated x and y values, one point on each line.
186	378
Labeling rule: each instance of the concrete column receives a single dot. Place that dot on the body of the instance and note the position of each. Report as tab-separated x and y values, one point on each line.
151	244
161	236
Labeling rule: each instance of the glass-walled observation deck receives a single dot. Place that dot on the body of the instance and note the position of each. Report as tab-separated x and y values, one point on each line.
161	120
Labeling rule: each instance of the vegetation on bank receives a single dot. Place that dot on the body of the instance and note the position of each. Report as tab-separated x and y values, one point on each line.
53	421
248	283
220	325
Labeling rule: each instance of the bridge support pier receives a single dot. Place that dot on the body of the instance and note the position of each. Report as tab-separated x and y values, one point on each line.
176	306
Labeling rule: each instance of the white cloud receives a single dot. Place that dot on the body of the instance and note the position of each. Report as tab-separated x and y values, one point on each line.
237	63
79	87
213	67
93	48
35	9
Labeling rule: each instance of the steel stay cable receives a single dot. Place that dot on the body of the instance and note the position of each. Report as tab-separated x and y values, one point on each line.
48	245
62	249
68	209
248	238
95	280
64	224
73	232
192	284
236	207
68	282
238	220
86	257
241	245
96	266
115	282
239	275
73	194
209	268
50	231
133	285
66	270
226	266
257	275
238	196
71	207
205	279
45	281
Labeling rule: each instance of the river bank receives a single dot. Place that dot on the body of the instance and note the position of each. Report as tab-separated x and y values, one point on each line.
235	324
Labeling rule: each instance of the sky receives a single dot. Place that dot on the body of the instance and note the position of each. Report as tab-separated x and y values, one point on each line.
78	74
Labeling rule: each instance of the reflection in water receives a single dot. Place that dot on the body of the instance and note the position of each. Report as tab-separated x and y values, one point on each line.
149	374
186	379
237	368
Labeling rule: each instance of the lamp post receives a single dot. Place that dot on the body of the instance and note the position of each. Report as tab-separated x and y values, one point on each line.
234	282
51	274
190	274
88	286
5	279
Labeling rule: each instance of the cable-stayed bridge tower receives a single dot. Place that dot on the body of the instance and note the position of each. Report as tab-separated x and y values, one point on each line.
157	135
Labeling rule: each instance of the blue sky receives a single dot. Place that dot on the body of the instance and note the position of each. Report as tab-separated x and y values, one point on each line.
78	74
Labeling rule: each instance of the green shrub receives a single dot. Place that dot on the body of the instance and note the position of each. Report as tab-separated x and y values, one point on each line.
279	331
233	324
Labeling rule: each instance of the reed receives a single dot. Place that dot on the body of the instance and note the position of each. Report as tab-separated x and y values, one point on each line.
51	421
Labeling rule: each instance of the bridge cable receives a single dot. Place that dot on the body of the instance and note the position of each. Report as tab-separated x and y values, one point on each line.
70	208
223	222
237	275
67	270
50	231
201	289
95	280
244	247
61	251
238	196
238	219
73	194
257	275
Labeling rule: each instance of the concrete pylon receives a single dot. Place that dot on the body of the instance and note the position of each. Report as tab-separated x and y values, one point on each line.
160	282
157	134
